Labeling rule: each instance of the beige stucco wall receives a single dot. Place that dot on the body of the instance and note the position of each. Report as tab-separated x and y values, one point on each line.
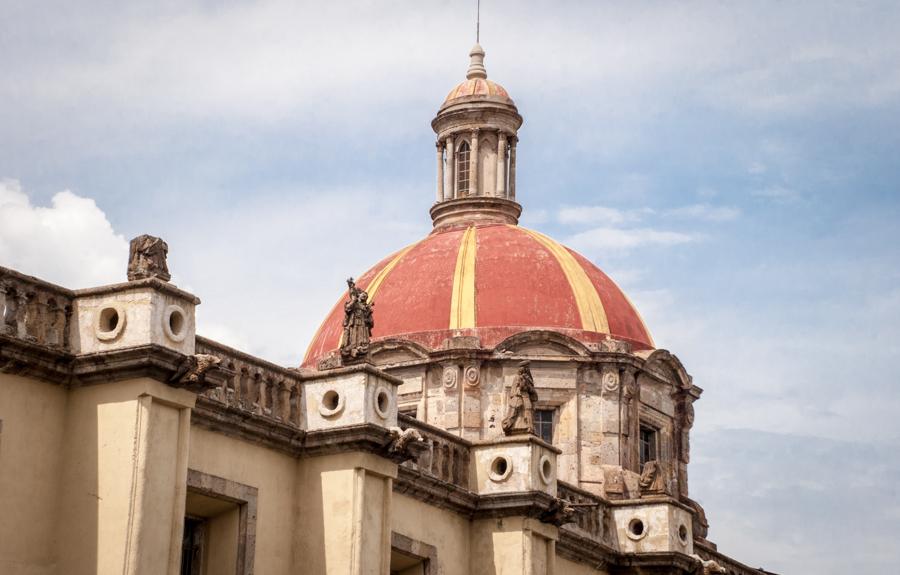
445	530
122	487
273	473
500	539
31	440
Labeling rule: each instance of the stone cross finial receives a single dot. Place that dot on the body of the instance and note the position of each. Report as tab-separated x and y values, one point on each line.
520	408
147	259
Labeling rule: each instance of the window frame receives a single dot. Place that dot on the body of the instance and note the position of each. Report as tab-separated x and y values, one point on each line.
653	445
552	423
463	168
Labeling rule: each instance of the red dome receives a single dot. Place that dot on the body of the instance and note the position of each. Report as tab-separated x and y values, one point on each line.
490	281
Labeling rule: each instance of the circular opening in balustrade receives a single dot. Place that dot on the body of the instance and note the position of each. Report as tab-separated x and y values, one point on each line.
545	468
175	323
332	403
110	322
501	467
636	529
382	402
683	534
109	319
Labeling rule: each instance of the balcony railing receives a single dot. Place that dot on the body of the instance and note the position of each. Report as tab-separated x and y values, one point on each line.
255	387
591	511
447	457
33	310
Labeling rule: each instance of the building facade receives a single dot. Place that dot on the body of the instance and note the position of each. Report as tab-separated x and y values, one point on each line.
485	401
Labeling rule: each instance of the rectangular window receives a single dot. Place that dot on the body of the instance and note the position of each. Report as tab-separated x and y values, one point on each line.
543	424
192	546
649	440
462	163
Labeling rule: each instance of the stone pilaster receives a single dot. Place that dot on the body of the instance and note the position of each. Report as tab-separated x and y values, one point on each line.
473	165
440	171
512	168
450	191
123	480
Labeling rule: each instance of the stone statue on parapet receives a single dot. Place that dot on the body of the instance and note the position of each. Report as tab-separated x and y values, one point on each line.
147	259
358	324
520	407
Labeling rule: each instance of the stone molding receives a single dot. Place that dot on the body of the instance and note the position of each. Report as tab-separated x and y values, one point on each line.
246	497
418	550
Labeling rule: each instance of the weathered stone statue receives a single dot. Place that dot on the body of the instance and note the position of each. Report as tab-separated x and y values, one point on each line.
147	259
358	324
405	444
192	372
653	480
520	408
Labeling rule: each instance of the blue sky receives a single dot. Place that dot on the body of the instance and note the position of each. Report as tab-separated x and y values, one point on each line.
734	166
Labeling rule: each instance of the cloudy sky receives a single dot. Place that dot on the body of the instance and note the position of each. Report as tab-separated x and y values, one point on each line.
734	166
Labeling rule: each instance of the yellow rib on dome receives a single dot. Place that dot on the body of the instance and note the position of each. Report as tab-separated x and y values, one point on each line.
462	302
590	308
382	275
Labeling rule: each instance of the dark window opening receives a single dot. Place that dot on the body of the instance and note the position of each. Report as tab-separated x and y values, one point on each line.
543	424
192	546
649	440
462	168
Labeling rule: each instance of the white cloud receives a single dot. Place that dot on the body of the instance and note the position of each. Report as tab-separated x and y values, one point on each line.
597	215
599	240
71	242
778	194
705	212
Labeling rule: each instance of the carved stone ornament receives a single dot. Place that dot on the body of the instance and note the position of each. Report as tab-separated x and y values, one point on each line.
520	407
451	373
652	479
700	524
708	567
192	372
147	259
470	376
610	381
559	513
405	444
358	324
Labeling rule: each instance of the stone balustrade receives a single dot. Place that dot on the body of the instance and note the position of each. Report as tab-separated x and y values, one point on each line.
591	511
33	310
447	457
730	566
255	386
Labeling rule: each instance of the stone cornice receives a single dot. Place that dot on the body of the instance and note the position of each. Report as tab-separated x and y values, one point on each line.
436	492
349	370
583	550
212	415
21	357
151	283
150	360
658	562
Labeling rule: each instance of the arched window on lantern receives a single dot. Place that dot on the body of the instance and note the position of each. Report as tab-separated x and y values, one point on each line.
462	169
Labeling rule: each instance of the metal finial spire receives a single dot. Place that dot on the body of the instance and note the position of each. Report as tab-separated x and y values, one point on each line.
478	21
